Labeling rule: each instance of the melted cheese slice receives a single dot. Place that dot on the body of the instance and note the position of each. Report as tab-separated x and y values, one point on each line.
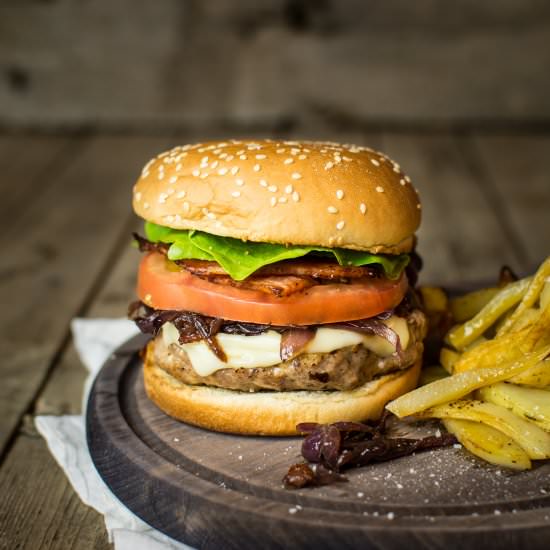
263	350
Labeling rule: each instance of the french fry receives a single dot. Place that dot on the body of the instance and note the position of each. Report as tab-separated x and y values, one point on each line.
528	403
434	299
528	318
530	298
467	306
476	342
537	376
492	352
458	385
431	374
539	332
462	335
489	444
545	295
448	358
532	439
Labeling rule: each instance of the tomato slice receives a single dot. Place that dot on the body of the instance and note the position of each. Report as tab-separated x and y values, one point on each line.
163	287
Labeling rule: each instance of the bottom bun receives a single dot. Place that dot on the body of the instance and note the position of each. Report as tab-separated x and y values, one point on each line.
271	413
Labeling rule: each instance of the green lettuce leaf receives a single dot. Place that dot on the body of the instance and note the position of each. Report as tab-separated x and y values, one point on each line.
242	258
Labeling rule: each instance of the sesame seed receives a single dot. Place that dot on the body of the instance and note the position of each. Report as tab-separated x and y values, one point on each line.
261	157
214	164
170	192
204	160
196	172
295	196
256	168
288	161
329	165
178	167
339	194
402	181
263	183
296	176
302	157
283	199
407	179
273	201
279	151
236	194
243	157
217	151
169	219
222	155
340	224
379	189
148	298
419	206
239	182
396	168
375	162
211	215
204	175
180	195
288	189
223	171
173	179
186	206
240	152
272	188
162	198
347	159
332	210
161	175
337	159
229	158
137	196
234	170
145	205
363	207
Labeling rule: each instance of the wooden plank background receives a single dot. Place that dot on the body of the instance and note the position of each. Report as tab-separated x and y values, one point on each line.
457	92
134	62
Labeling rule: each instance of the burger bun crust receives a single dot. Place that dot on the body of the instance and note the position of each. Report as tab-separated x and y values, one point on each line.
288	192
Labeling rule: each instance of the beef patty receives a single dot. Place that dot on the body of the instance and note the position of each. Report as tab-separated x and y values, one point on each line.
342	369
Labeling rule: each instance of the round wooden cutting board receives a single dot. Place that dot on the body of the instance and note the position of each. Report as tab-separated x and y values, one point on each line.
220	491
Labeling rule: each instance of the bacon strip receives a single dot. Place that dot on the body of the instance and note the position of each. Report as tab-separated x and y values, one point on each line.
318	269
279	286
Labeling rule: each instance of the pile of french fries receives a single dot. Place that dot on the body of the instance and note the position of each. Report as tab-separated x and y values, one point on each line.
492	390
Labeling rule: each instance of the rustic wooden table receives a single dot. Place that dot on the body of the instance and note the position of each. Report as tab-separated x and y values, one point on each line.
66	224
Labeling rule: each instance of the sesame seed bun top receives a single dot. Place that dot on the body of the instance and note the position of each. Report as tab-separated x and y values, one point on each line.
290	192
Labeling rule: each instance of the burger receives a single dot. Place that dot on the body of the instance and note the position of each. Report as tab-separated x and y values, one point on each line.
276	283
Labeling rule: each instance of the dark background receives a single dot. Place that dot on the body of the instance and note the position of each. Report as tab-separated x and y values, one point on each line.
164	64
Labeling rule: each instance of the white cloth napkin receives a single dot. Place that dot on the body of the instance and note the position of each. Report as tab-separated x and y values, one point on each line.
95	340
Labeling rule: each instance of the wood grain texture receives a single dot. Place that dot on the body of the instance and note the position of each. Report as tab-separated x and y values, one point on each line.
264	61
64	239
460	237
27	163
516	171
39	509
229	495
